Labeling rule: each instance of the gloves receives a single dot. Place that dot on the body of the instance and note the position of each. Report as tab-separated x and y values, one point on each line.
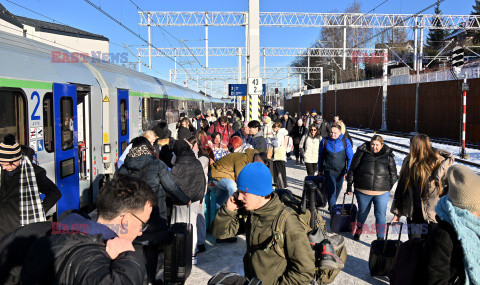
349	188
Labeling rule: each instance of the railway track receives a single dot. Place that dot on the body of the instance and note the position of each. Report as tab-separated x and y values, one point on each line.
366	138
435	140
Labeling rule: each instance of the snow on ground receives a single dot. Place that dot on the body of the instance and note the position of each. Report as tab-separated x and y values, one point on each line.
455	150
228	257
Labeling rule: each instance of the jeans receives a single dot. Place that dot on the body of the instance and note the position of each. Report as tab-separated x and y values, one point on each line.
311	168
333	184
379	209
225	188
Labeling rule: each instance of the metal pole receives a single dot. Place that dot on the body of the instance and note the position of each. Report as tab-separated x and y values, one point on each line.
175	70
308	64
415	46
140	65
197	82
420	57
254	49
335	92
344	62
463	154
206	40
239	75
300	98
170	75
321	90
384	89
417	87
264	64
149	41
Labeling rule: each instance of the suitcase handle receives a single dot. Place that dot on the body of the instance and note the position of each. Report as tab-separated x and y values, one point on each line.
343	205
386	235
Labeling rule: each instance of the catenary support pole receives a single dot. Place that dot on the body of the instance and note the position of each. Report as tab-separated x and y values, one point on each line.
384	89
254	49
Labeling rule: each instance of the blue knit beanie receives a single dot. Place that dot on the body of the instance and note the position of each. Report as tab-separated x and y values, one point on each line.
255	178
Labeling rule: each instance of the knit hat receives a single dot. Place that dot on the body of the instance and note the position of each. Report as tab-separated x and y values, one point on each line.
10	150
464	188
314	113
255	178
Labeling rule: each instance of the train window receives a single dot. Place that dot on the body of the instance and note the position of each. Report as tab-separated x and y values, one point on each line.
48	122
66	113
14	118
123	117
157	110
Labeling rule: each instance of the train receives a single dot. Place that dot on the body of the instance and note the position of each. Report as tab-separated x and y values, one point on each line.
79	116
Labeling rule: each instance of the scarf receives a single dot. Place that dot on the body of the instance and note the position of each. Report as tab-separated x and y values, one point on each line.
31	208
139	151
467	227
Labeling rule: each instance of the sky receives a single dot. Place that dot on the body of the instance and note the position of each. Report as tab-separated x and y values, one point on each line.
79	14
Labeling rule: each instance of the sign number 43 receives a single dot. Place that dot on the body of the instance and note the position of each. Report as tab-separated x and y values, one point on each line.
255	86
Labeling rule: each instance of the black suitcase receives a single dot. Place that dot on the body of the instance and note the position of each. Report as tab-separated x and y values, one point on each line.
178	253
383	253
342	216
321	195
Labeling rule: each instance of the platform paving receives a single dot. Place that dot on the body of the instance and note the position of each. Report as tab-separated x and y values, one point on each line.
228	257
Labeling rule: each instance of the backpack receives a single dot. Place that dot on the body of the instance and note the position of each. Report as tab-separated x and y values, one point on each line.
317	230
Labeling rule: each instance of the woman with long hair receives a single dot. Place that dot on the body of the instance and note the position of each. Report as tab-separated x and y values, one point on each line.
421	185
279	155
373	173
218	147
309	149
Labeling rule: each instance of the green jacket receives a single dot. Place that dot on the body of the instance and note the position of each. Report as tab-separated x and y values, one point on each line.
231	164
268	266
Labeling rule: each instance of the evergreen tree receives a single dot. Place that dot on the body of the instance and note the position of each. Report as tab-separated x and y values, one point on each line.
475	34
436	37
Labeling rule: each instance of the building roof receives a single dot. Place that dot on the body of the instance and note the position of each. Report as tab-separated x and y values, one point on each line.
47	26
9	17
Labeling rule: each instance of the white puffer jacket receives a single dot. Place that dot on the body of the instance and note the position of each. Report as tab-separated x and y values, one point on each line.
278	143
310	148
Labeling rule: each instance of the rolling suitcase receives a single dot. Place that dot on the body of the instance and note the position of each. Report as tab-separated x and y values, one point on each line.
383	253
321	195
178	253
342	216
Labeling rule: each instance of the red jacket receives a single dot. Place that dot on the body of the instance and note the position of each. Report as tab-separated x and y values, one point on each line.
225	132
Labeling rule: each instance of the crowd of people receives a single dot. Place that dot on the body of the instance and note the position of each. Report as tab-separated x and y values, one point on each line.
163	176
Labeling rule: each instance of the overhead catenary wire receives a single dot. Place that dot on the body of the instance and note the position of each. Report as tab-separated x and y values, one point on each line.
132	32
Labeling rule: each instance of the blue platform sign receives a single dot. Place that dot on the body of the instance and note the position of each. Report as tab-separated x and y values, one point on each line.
241	89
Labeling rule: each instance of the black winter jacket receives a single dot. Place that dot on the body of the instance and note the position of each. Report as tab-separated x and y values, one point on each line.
10	196
188	172
81	259
443	263
373	171
155	173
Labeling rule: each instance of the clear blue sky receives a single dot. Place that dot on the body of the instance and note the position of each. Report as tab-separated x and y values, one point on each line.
79	14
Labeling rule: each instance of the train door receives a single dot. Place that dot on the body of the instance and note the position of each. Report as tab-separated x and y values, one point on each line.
123	126
66	146
84	147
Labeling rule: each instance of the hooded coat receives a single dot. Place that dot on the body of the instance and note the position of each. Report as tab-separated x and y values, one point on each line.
231	164
373	171
155	173
188	172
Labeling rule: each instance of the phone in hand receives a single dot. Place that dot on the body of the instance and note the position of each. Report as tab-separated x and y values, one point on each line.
238	202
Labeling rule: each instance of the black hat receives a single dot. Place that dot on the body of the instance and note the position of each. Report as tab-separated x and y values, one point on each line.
180	146
197	112
10	150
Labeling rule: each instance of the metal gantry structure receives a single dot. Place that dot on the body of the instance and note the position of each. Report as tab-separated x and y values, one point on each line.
253	19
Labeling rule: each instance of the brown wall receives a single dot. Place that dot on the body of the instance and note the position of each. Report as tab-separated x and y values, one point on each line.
439	108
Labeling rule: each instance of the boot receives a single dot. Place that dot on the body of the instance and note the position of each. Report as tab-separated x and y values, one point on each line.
328	258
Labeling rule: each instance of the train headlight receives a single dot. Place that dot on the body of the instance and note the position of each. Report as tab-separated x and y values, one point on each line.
106	148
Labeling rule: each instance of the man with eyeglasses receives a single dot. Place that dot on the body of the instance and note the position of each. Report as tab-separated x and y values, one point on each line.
79	250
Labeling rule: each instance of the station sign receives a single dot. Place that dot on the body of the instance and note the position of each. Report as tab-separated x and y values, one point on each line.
241	89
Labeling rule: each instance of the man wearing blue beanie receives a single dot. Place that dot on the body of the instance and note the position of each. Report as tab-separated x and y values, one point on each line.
254	210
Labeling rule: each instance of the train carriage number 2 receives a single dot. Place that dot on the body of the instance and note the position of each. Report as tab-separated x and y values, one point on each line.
35	117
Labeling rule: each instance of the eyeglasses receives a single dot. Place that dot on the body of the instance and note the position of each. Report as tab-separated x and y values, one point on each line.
144	225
